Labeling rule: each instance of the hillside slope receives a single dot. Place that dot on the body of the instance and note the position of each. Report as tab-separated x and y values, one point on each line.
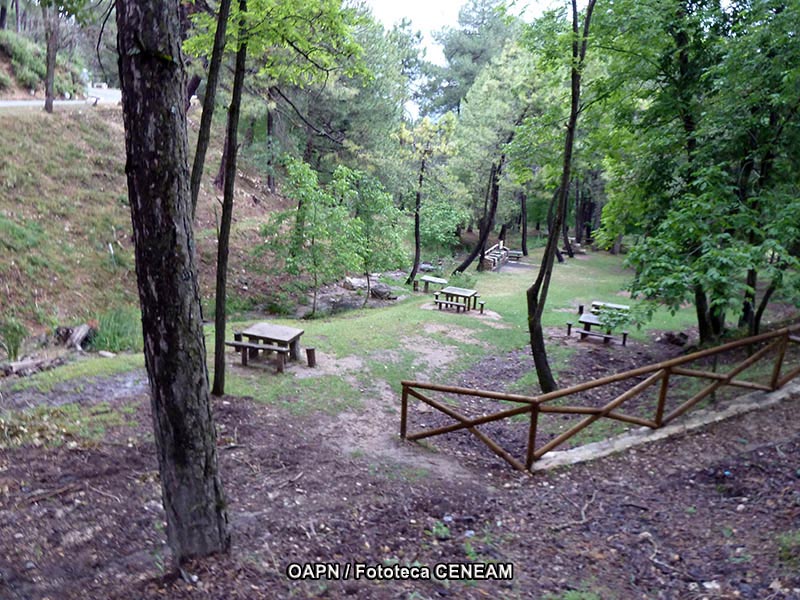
65	232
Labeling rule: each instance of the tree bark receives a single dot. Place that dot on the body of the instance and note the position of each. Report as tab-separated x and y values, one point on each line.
417	208
50	17
271	146
537	293
209	101
219	178
755	329
220	317
3	14
523	201
704	328
579	212
487	222
191	89
153	90
565	236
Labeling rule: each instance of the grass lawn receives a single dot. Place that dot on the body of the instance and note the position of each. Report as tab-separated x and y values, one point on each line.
383	346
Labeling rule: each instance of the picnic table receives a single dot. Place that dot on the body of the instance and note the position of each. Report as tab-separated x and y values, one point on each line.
592	319
428	279
278	335
460	298
268	338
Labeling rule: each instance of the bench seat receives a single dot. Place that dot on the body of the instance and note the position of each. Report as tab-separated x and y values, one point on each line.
442	303
606	336
246	347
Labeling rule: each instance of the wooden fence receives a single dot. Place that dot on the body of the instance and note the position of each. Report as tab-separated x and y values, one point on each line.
663	374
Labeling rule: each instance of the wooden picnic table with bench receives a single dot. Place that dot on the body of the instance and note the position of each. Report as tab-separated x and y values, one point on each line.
268	338
592	318
459	298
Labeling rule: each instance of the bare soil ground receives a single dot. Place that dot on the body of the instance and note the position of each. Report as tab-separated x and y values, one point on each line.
712	514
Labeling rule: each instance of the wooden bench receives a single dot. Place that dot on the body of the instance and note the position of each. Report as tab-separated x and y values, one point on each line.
481	304
246	348
441	303
598	306
515	255
606	336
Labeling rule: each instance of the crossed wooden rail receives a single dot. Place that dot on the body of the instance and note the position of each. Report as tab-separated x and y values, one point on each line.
662	372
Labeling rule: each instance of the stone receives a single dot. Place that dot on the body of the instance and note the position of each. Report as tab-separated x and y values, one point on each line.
354	283
383	292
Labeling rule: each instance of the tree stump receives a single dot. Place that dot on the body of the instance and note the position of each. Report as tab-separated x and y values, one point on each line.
311	355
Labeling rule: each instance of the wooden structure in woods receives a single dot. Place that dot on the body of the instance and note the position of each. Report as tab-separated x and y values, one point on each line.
494	257
777	346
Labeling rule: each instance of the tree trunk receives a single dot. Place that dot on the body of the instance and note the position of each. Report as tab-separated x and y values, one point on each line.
503	231
271	145
565	236
219	178
50	17
523	202
487	223
537	293
153	89
3	14
417	207
762	306
704	328
579	213
220	318
191	89
748	306
18	16
209	100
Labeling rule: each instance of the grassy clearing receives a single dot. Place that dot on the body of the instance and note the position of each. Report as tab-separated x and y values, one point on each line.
393	343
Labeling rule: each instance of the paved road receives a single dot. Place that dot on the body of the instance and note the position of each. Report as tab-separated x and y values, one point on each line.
106	97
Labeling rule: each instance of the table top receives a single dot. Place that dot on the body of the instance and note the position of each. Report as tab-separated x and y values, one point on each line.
457	291
432	279
598	304
270	331
589	319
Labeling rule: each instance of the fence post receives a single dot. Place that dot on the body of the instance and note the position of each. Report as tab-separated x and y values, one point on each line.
532	437
776	371
404	411
662	397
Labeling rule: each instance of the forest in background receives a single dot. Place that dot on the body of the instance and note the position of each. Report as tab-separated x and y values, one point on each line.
683	154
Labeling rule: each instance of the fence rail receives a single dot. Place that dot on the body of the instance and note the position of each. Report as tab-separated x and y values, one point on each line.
662	374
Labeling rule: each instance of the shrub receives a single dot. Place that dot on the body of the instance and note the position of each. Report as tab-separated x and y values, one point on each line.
12	334
26	78
118	329
27	59
5	81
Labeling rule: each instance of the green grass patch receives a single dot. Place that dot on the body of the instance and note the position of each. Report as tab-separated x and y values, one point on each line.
118	330
789	549
46	381
56	425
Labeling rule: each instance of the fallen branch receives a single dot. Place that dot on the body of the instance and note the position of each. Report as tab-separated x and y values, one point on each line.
51	494
288	481
584	519
106	494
